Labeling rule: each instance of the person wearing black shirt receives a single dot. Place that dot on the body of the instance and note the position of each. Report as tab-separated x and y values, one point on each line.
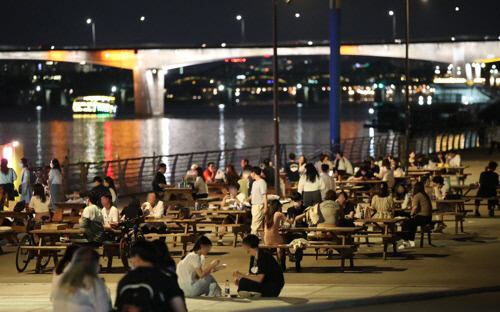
488	182
133	210
268	172
160	182
147	287
100	189
292	169
297	209
374	168
265	277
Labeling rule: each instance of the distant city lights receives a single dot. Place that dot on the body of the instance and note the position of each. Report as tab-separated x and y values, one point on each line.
143	18
38	88
297	15
310	43
457	9
391	12
223	45
238	17
89	20
113	89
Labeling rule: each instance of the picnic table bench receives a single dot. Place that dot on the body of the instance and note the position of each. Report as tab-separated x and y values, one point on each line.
386	231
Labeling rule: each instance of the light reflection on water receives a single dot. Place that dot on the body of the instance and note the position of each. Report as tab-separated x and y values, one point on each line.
95	140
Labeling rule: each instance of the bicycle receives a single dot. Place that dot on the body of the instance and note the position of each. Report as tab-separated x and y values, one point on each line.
25	255
132	232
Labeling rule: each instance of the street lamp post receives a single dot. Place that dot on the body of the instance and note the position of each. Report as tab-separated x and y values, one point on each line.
275	100
407	90
92	23
391	13
242	21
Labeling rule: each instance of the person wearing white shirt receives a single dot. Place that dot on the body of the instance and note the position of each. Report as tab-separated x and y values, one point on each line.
110	214
328	180
153	206
342	165
386	173
310	186
454	159
233	200
441	191
40	202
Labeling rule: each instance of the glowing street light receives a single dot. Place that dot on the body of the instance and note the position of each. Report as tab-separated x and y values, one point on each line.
457	9
391	13
143	18
92	23
297	15
242	21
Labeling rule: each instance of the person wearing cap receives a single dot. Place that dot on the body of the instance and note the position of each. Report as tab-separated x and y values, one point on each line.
192	171
231	199
488	182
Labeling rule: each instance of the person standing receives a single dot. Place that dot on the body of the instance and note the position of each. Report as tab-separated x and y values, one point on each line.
292	169
195	280
265	277
160	182
26	182
258	198
80	289
328	180
310	186
54	182
110	184
268	172
488	182
7	178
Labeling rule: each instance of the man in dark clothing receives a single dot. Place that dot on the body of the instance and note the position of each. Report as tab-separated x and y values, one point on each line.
133	210
292	169
265	277
100	189
148	288
159	181
268	172
488	182
297	209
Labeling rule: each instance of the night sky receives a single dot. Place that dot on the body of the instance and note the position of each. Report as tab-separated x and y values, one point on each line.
178	22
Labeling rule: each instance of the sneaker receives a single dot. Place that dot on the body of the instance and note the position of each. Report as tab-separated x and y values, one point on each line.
439	228
219	243
63	239
404	245
249	294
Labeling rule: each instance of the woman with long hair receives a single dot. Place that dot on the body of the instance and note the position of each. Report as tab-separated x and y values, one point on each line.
232	176
110	184
80	289
61	267
55	181
421	214
200	188
272	219
310	186
302	165
39	202
386	173
195	280
382	203
7	178
25	180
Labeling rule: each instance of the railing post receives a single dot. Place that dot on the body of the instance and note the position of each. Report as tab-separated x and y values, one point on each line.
205	158
190	162
141	170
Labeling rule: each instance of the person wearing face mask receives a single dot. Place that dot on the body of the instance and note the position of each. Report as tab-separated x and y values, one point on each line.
92	221
80	289
265	277
297	209
195	280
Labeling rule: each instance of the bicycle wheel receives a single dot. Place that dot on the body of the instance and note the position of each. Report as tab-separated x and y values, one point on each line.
23	256
125	252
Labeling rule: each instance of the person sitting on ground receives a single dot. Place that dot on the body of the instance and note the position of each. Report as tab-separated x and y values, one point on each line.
386	173
209	173
160	182
200	188
231	176
292	169
488	182
453	159
147	287
229	201
99	189
342	166
110	184
310	186
272	221
80	289
132	210
421	215
195	280
328	180
265	277
382	203
61	267
39	202
109	213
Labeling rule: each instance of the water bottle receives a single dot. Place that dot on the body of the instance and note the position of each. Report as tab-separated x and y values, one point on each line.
362	213
235	205
196	206
227	291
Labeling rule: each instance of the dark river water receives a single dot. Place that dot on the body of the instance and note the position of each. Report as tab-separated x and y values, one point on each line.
46	134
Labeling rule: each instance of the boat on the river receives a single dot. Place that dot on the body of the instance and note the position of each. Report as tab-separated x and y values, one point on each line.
94	104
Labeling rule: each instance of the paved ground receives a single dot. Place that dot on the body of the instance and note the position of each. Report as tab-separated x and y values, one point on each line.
457	262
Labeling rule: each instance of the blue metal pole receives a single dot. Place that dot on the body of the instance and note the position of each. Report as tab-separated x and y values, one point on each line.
334	73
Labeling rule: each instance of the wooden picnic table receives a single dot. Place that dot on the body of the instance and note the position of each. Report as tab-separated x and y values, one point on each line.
388	232
175	195
337	232
370	181
75	207
184	224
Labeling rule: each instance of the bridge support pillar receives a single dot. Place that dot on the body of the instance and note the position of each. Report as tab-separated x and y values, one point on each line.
334	73
149	89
